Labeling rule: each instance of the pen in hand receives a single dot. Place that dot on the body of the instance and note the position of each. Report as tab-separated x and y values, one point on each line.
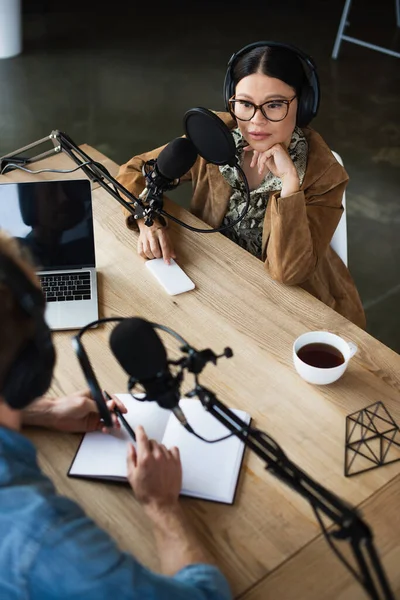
121	417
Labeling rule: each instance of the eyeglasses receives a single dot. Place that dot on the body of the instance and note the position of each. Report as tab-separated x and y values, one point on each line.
273	110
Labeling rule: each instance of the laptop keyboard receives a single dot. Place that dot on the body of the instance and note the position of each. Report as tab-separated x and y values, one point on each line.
68	286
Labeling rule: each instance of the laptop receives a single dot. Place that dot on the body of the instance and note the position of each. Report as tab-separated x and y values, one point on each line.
53	221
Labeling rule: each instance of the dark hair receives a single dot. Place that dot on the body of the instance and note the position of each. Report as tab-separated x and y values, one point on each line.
280	63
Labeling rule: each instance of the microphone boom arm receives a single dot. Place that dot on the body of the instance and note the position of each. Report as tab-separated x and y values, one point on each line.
94	171
349	525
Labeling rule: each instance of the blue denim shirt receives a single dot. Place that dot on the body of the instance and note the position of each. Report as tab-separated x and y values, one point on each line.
50	549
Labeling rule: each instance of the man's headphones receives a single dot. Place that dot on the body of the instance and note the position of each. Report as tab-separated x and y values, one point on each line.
31	371
307	102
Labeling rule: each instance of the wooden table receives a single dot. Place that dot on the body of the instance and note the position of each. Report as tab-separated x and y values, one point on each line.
268	544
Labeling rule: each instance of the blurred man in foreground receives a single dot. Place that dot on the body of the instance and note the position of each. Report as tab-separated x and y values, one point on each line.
49	548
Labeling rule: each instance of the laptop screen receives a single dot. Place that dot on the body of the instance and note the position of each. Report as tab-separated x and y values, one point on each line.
52	219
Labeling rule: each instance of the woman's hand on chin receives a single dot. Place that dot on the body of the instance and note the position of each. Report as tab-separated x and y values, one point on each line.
277	160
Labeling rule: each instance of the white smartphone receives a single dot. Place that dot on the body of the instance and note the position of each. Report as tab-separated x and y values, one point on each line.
173	279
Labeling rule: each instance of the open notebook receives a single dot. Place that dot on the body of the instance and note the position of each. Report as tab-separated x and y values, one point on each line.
210	471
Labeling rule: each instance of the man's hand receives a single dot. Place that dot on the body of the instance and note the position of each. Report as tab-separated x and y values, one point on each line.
277	160
155	242
154	473
75	414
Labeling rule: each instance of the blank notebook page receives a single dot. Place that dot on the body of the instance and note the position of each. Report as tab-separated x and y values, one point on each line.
104	455
210	471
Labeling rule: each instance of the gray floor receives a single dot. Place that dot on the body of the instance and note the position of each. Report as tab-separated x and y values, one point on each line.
122	81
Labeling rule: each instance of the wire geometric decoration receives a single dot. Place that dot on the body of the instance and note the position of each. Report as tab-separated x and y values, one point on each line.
372	440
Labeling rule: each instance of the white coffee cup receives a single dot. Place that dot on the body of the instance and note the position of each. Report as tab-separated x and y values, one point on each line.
320	375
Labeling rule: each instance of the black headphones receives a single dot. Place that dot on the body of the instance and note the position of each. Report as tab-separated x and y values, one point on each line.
308	102
32	370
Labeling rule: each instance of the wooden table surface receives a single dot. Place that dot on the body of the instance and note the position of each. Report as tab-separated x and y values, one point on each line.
268	543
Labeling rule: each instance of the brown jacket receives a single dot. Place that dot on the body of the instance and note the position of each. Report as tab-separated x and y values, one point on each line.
297	229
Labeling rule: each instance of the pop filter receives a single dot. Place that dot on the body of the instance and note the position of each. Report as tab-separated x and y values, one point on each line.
211	137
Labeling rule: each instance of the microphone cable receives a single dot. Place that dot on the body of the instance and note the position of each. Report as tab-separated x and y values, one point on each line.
17	166
221	227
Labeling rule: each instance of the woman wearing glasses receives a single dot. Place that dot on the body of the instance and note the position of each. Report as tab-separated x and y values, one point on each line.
271	93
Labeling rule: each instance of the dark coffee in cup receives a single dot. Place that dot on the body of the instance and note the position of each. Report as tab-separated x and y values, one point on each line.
323	356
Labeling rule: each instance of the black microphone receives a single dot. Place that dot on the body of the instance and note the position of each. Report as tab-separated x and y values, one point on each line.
142	355
163	173
176	159
206	135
